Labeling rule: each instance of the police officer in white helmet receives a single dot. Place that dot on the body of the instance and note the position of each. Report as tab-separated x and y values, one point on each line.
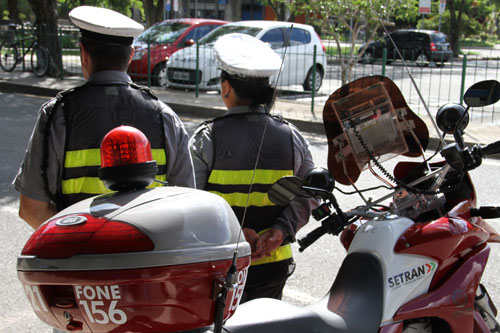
62	159
240	155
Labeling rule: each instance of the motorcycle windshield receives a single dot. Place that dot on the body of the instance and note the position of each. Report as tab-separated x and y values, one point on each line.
366	119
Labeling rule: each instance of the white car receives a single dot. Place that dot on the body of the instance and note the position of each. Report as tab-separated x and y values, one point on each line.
297	66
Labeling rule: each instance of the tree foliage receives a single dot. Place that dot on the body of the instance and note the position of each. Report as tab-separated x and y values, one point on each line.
335	17
463	19
280	9
121	6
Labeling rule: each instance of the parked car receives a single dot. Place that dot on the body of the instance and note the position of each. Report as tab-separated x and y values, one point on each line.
164	39
297	66
421	46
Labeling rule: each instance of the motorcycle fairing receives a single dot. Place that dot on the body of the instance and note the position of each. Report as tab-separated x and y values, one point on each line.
405	276
453	301
338	144
445	239
353	305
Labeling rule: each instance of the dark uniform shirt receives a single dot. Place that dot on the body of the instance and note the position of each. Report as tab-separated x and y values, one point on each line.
295	215
29	180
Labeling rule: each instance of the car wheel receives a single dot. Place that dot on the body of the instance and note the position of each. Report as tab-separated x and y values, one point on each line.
422	60
160	75
318	80
367	57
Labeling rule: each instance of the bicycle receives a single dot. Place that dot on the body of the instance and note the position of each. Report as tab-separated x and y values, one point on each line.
10	55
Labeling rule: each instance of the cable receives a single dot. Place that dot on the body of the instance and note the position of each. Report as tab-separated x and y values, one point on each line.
364	190
394	179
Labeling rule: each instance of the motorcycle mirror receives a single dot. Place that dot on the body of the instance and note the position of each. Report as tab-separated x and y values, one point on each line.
284	190
452	118
482	93
319	178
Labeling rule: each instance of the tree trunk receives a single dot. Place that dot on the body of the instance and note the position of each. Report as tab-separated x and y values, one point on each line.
153	12
184	8
455	23
47	35
233	11
13	11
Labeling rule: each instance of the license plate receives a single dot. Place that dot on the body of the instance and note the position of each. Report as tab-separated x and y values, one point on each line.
181	76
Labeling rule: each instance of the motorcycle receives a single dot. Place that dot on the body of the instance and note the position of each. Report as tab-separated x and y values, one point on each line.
168	259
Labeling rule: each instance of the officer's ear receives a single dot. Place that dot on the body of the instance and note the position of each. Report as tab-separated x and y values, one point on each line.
225	88
86	61
131	54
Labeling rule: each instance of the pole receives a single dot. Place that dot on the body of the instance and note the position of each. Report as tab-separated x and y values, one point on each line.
462	86
384	60
197	75
149	61
313	90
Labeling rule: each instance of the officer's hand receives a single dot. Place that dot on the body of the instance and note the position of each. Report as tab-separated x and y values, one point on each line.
251	237
268	242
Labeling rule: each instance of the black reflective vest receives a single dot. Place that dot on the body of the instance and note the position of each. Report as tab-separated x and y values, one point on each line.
236	141
91	111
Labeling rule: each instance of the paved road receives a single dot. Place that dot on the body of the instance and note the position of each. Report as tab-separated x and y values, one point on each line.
316	268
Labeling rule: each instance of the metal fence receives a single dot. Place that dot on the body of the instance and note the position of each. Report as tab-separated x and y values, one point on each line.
195	69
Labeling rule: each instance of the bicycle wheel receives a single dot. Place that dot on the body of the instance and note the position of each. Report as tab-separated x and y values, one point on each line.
8	56
39	60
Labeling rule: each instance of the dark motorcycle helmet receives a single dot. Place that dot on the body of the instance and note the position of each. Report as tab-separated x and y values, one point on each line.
319	178
451	117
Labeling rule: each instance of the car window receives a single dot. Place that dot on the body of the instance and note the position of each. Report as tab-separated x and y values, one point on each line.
299	37
228	29
422	38
163	33
199	32
397	37
438	38
275	38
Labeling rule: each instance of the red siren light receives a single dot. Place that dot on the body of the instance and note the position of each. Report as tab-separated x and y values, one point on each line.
126	159
124	145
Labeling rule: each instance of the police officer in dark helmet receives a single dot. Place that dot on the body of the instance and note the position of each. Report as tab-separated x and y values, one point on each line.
61	162
240	155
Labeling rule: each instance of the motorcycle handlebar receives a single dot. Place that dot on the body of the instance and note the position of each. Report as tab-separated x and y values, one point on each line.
492	148
311	237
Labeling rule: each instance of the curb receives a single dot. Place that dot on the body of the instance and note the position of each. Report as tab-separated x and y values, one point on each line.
205	112
10	87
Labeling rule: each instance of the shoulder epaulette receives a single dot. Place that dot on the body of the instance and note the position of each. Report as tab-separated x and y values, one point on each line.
279	118
144	89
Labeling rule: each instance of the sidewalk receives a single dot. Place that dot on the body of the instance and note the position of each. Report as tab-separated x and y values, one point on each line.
208	106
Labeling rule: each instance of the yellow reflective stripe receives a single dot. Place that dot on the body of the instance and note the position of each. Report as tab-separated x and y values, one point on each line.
244	177
93	185
281	253
159	156
82	158
92	157
238	199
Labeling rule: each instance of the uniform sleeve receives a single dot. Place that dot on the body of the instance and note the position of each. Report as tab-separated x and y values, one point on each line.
298	212
201	149
179	164
30	180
